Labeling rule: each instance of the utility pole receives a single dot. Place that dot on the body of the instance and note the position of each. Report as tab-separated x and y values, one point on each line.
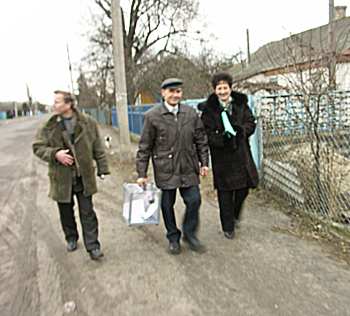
120	81
248	47
15	109
70	72
332	47
241	59
30	100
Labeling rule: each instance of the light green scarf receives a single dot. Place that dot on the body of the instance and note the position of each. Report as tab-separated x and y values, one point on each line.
225	120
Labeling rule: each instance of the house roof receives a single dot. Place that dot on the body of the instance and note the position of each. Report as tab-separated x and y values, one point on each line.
296	49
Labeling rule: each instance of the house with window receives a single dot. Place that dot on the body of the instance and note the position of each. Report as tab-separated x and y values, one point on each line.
306	58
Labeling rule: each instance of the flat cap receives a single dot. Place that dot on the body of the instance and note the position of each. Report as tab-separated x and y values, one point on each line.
171	82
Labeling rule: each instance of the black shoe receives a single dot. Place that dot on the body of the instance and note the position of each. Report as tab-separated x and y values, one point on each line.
174	247
96	254
194	244
229	235
72	245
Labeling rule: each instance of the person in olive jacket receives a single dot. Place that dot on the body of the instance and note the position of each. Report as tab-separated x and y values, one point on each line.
70	142
228	123
174	138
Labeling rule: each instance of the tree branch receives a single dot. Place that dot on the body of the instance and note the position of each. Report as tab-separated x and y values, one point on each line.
105	5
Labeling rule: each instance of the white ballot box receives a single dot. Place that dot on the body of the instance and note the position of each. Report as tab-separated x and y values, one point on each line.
141	205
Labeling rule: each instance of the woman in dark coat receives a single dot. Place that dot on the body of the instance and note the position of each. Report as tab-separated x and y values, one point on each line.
229	122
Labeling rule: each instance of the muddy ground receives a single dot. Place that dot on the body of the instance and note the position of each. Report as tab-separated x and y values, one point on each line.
272	267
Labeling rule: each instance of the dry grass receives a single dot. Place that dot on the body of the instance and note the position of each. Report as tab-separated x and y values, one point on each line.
333	240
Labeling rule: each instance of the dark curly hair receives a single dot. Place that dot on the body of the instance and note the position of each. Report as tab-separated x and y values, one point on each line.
221	76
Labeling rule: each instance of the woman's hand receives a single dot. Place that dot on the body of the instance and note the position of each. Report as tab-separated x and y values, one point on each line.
204	171
238	128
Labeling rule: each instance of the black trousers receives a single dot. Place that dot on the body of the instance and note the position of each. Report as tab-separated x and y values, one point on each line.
192	199
88	220
230	204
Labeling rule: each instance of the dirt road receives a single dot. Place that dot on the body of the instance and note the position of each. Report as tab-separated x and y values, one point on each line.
260	272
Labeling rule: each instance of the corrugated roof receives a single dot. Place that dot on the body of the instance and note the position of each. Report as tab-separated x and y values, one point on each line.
297	48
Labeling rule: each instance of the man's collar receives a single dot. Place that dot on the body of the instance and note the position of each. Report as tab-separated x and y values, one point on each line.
68	117
171	108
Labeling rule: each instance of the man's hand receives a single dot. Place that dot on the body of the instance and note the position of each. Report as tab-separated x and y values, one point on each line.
204	171
64	158
141	182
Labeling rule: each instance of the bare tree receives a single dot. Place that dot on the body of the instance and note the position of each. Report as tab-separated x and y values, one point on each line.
97	66
87	97
302	63
196	71
149	27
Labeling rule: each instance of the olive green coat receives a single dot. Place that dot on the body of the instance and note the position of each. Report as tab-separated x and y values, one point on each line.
88	147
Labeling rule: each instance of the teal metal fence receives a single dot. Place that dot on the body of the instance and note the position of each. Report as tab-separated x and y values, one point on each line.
136	117
3	116
305	152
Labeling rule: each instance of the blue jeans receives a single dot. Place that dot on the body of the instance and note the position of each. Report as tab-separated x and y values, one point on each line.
192	199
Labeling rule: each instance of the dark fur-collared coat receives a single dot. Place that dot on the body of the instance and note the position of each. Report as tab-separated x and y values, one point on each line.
232	162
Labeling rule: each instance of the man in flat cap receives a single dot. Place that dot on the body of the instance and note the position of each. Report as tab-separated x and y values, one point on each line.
173	137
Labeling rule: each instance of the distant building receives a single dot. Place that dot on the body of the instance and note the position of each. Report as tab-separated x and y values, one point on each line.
272	66
13	109
145	97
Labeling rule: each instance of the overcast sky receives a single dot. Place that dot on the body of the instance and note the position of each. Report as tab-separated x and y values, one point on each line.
34	34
